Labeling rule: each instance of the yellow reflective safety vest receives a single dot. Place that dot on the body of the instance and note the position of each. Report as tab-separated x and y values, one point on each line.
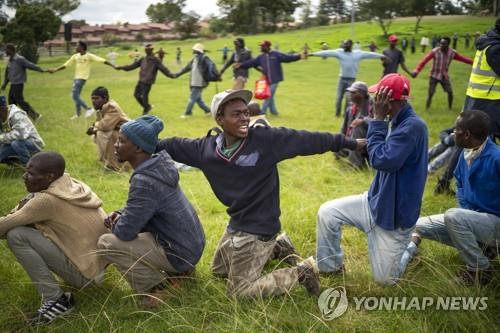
483	82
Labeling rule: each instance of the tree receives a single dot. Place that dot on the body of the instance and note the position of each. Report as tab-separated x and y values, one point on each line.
382	11
419	8
254	16
446	7
166	11
188	25
59	7
32	25
307	20
332	8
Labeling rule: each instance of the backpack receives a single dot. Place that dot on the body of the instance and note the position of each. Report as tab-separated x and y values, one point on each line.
210	72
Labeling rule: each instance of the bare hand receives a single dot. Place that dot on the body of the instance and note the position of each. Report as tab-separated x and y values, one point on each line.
111	219
361	146
357	122
383	100
237	65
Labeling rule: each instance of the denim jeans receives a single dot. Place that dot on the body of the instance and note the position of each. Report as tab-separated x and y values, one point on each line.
195	97
20	149
269	103
385	247
441	160
75	94
344	83
462	229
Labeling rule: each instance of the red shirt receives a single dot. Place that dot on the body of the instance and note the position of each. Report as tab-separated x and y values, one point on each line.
441	62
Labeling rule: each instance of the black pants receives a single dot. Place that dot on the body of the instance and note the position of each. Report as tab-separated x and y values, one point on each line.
141	94
16	97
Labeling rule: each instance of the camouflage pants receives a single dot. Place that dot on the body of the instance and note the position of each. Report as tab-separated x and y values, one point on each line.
240	257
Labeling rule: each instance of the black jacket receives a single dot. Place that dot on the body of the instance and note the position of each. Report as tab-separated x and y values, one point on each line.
248	182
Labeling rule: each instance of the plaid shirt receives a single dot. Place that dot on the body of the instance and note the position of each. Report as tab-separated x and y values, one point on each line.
441	62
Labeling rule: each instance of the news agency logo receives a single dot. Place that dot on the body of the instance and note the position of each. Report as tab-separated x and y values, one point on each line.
333	303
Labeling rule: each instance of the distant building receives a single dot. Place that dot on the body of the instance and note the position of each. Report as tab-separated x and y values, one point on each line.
95	34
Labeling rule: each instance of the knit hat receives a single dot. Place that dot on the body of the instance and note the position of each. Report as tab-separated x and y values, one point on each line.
228	95
3	101
143	132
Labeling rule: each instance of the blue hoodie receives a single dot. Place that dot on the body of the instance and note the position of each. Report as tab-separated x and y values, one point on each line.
156	204
478	186
270	63
400	158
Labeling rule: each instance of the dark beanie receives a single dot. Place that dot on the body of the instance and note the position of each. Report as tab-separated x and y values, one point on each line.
3	101
101	92
143	132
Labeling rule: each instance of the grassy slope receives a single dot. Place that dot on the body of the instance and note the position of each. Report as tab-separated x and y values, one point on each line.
305	101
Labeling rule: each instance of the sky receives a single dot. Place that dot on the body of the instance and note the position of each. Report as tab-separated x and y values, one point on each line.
132	11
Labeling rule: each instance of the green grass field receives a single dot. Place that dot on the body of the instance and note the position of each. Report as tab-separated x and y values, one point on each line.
305	100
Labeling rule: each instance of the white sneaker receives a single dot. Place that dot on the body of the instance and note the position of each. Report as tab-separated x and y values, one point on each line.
89	112
185	116
74	117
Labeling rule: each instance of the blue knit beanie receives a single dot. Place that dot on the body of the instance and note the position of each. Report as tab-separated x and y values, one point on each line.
143	132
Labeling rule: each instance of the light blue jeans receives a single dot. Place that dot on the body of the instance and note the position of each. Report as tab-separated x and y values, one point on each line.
462	229
75	94
20	149
385	247
344	83
269	103
195	97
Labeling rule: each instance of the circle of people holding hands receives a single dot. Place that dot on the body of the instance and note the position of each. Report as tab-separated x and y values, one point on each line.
156	239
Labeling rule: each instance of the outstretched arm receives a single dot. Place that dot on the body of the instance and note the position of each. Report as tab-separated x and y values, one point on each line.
462	58
422	63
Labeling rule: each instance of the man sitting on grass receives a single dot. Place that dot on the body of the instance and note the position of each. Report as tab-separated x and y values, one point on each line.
105	130
240	164
473	228
19	138
55	230
158	233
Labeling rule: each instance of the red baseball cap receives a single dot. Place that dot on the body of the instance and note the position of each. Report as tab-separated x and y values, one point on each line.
399	84
393	38
265	43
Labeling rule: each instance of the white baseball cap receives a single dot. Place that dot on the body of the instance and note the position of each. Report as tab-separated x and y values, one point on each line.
229	95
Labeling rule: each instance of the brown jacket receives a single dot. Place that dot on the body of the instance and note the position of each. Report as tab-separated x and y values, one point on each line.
70	215
109	120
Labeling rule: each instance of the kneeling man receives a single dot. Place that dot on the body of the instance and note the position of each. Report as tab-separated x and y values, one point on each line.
158	233
397	149
55	230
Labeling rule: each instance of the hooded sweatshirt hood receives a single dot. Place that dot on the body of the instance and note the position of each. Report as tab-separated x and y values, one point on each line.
161	168
492	37
74	192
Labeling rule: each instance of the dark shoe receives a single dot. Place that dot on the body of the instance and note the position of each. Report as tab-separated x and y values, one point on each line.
284	250
51	310
309	276
333	274
480	277
489	252
443	187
